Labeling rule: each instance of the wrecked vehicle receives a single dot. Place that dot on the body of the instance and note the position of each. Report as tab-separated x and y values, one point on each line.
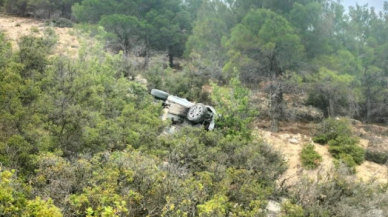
182	111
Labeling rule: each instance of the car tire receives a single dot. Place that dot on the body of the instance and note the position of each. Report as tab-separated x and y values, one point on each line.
158	94
197	113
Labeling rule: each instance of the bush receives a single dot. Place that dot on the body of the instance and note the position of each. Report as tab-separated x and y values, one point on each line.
342	145
292	210
309	157
232	103
330	129
185	84
60	22
338	194
376	156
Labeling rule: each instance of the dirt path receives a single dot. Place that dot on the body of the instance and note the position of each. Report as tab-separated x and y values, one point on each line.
15	27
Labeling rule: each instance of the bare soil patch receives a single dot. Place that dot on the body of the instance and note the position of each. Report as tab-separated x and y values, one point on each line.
16	27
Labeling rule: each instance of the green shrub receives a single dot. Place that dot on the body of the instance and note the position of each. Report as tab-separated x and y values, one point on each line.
60	22
342	145
292	210
185	84
330	129
347	145
34	30
376	156
321	139
309	157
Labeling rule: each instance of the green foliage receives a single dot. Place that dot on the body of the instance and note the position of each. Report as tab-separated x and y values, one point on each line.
60	22
347	146
292	210
125	28
213	207
213	24
14	202
18	7
254	45
342	145
236	114
330	129
43	9
338	195
16	152
79	134
163	23
309	157
5	50
376	156
186	84
332	92
41	208
12	197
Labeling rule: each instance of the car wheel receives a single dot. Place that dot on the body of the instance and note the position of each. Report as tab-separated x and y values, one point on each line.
158	94
197	113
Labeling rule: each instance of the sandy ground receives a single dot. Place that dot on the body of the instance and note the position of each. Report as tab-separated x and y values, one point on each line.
15	27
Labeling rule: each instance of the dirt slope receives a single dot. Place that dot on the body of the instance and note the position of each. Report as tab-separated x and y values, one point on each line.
15	27
291	144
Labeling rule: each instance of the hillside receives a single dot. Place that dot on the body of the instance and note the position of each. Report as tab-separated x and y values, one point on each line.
15	27
299	90
289	141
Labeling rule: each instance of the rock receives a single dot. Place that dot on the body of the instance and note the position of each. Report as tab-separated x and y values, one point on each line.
293	141
273	208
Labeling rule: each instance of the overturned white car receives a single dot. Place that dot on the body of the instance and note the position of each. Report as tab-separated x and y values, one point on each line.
182	111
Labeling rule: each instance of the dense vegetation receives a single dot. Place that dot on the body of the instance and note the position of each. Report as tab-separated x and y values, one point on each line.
80	137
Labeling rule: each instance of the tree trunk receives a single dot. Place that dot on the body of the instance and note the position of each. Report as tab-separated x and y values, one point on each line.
368	107
276	107
171	60
276	95
126	48
331	107
147	54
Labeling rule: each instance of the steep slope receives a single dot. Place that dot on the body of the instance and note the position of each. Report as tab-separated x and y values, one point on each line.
290	144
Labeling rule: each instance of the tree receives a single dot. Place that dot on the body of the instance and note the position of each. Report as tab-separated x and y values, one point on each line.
192	6
321	26
126	30
332	93
16	7
263	48
47	8
14	202
204	45
167	30
233	105
5	50
165	25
